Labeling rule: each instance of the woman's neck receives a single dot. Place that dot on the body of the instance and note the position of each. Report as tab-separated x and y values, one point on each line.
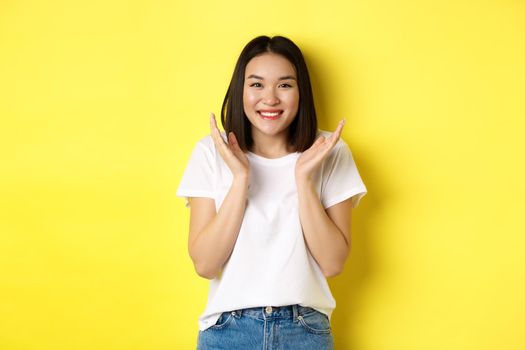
271	146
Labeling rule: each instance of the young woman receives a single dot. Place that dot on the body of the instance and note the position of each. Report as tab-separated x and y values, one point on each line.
271	201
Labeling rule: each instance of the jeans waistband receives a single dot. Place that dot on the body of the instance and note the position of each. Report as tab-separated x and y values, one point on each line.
286	311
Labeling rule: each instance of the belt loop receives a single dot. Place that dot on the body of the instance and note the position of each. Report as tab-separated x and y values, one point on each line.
294	307
237	313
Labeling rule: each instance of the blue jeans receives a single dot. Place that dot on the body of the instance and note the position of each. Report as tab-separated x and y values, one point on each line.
269	328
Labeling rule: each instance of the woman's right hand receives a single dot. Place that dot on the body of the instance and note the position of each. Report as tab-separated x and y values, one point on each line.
230	152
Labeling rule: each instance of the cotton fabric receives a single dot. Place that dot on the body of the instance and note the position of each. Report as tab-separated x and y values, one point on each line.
270	251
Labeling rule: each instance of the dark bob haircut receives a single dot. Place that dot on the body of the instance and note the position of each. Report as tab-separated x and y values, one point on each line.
303	129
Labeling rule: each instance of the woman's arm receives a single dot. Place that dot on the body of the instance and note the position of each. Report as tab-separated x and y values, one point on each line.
327	232
213	235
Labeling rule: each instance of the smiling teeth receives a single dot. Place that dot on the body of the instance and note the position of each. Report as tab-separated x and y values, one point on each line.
270	114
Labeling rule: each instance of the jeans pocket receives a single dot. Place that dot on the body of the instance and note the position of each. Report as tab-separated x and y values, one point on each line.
315	322
224	319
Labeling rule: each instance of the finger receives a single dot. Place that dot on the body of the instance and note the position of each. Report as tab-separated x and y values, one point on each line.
339	127
337	133
232	139
217	137
221	145
234	144
320	140
213	123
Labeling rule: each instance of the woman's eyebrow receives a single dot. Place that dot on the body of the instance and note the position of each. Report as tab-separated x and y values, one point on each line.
286	77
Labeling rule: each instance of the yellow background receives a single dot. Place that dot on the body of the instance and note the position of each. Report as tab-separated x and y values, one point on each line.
101	103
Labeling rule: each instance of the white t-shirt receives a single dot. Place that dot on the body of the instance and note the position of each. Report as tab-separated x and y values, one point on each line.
270	264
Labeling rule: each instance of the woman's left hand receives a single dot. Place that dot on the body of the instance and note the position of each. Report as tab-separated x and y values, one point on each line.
311	159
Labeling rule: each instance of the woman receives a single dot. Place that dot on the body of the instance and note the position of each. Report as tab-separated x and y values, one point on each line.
271	202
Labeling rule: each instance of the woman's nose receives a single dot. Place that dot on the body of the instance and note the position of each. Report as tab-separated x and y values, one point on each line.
270	97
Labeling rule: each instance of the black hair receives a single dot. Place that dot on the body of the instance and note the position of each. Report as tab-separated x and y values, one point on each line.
303	129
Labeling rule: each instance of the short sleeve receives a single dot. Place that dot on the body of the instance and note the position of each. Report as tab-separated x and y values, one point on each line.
341	179
197	180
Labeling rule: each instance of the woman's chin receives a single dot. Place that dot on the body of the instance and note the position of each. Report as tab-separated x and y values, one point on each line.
268	130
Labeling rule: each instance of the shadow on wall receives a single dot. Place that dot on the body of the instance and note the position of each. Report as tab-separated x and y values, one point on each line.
351	286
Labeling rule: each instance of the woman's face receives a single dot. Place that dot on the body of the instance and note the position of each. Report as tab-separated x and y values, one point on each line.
270	94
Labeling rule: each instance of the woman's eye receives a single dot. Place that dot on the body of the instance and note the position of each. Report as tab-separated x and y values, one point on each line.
256	85
286	85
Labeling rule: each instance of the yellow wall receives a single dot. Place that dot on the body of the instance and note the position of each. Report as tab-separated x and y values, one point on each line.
101	103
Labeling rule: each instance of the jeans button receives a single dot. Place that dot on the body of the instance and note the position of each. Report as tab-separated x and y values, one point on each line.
268	310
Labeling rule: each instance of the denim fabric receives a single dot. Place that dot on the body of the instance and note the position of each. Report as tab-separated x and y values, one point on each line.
269	328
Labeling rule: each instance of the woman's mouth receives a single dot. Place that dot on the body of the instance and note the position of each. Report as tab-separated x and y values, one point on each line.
270	115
